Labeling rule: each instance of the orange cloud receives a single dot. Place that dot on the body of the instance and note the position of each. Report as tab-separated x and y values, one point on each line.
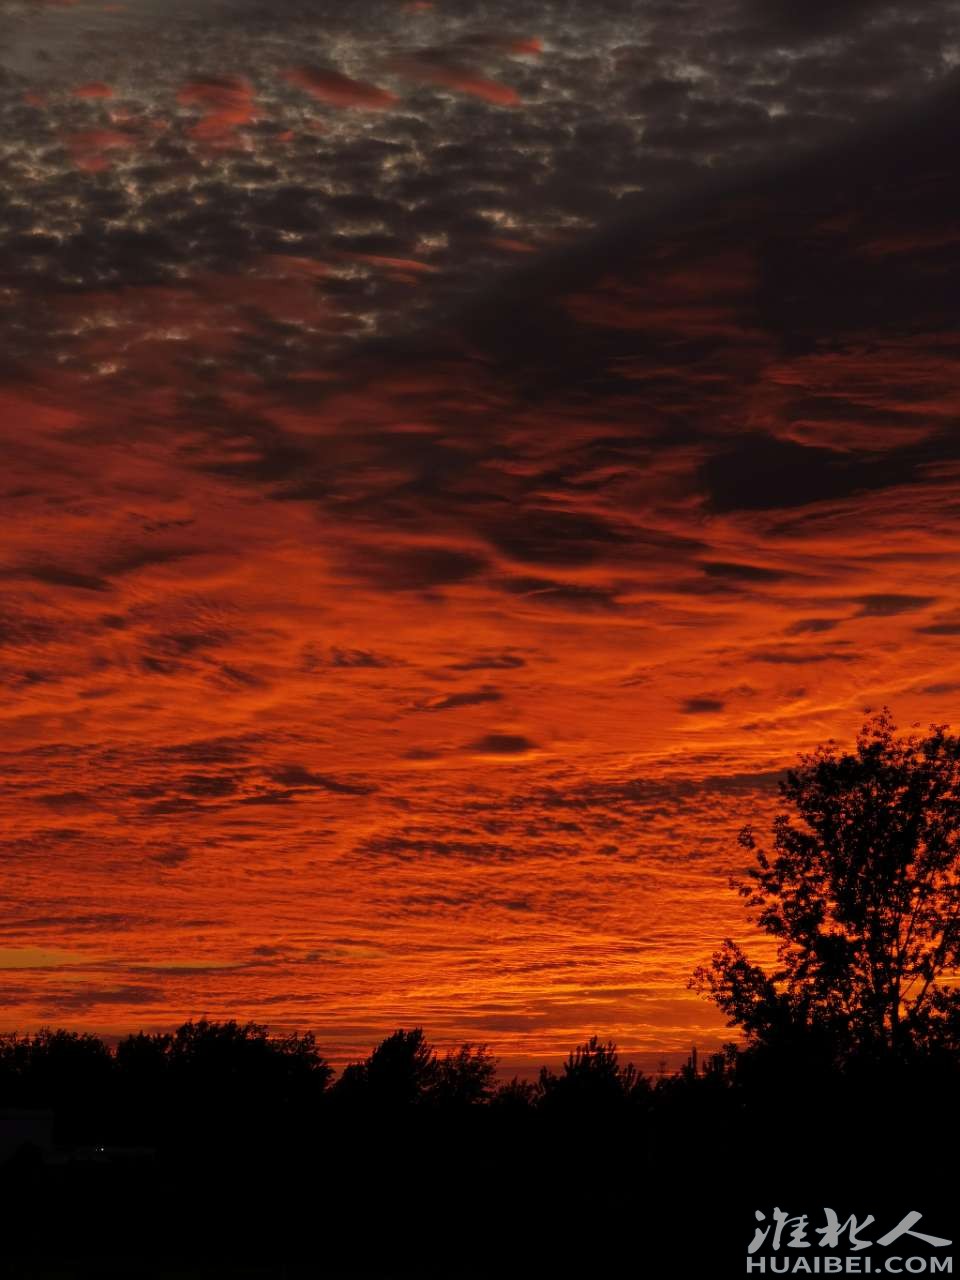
451	75
409	265
510	245
518	46
96	89
338	687
227	104
90	147
339	90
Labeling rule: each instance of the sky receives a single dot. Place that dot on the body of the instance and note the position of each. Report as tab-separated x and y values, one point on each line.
455	457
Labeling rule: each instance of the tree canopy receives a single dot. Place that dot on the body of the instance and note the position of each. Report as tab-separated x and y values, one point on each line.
861	890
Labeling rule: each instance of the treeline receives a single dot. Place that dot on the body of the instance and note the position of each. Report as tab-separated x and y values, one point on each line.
419	1162
213	1075
212	1081
207	1075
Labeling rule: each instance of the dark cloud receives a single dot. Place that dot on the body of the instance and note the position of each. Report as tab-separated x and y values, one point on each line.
212	751
416	843
490	662
212	131
227	676
702	706
656	791
170	857
338	90
549	591
78	1001
812	626
554	537
189	642
434	67
814	18
58	576
359	658
208	784
414	568
797	656
465	698
760	473
502	744
889	605
296	776
64	801
18	629
743	572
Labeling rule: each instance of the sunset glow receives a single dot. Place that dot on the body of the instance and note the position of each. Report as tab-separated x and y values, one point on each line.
445	484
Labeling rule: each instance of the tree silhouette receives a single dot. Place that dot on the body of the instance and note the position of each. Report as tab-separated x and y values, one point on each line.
68	1071
396	1074
592	1077
862	893
465	1076
223	1078
404	1069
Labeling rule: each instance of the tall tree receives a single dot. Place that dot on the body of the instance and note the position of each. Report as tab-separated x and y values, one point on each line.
861	890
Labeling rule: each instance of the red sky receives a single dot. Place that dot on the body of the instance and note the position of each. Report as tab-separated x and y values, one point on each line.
427	679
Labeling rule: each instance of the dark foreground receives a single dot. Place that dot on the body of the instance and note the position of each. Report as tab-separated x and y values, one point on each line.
662	1182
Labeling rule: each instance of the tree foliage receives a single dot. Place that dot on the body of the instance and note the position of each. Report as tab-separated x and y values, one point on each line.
861	890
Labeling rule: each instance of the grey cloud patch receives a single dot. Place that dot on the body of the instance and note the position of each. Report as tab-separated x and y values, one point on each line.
433	177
